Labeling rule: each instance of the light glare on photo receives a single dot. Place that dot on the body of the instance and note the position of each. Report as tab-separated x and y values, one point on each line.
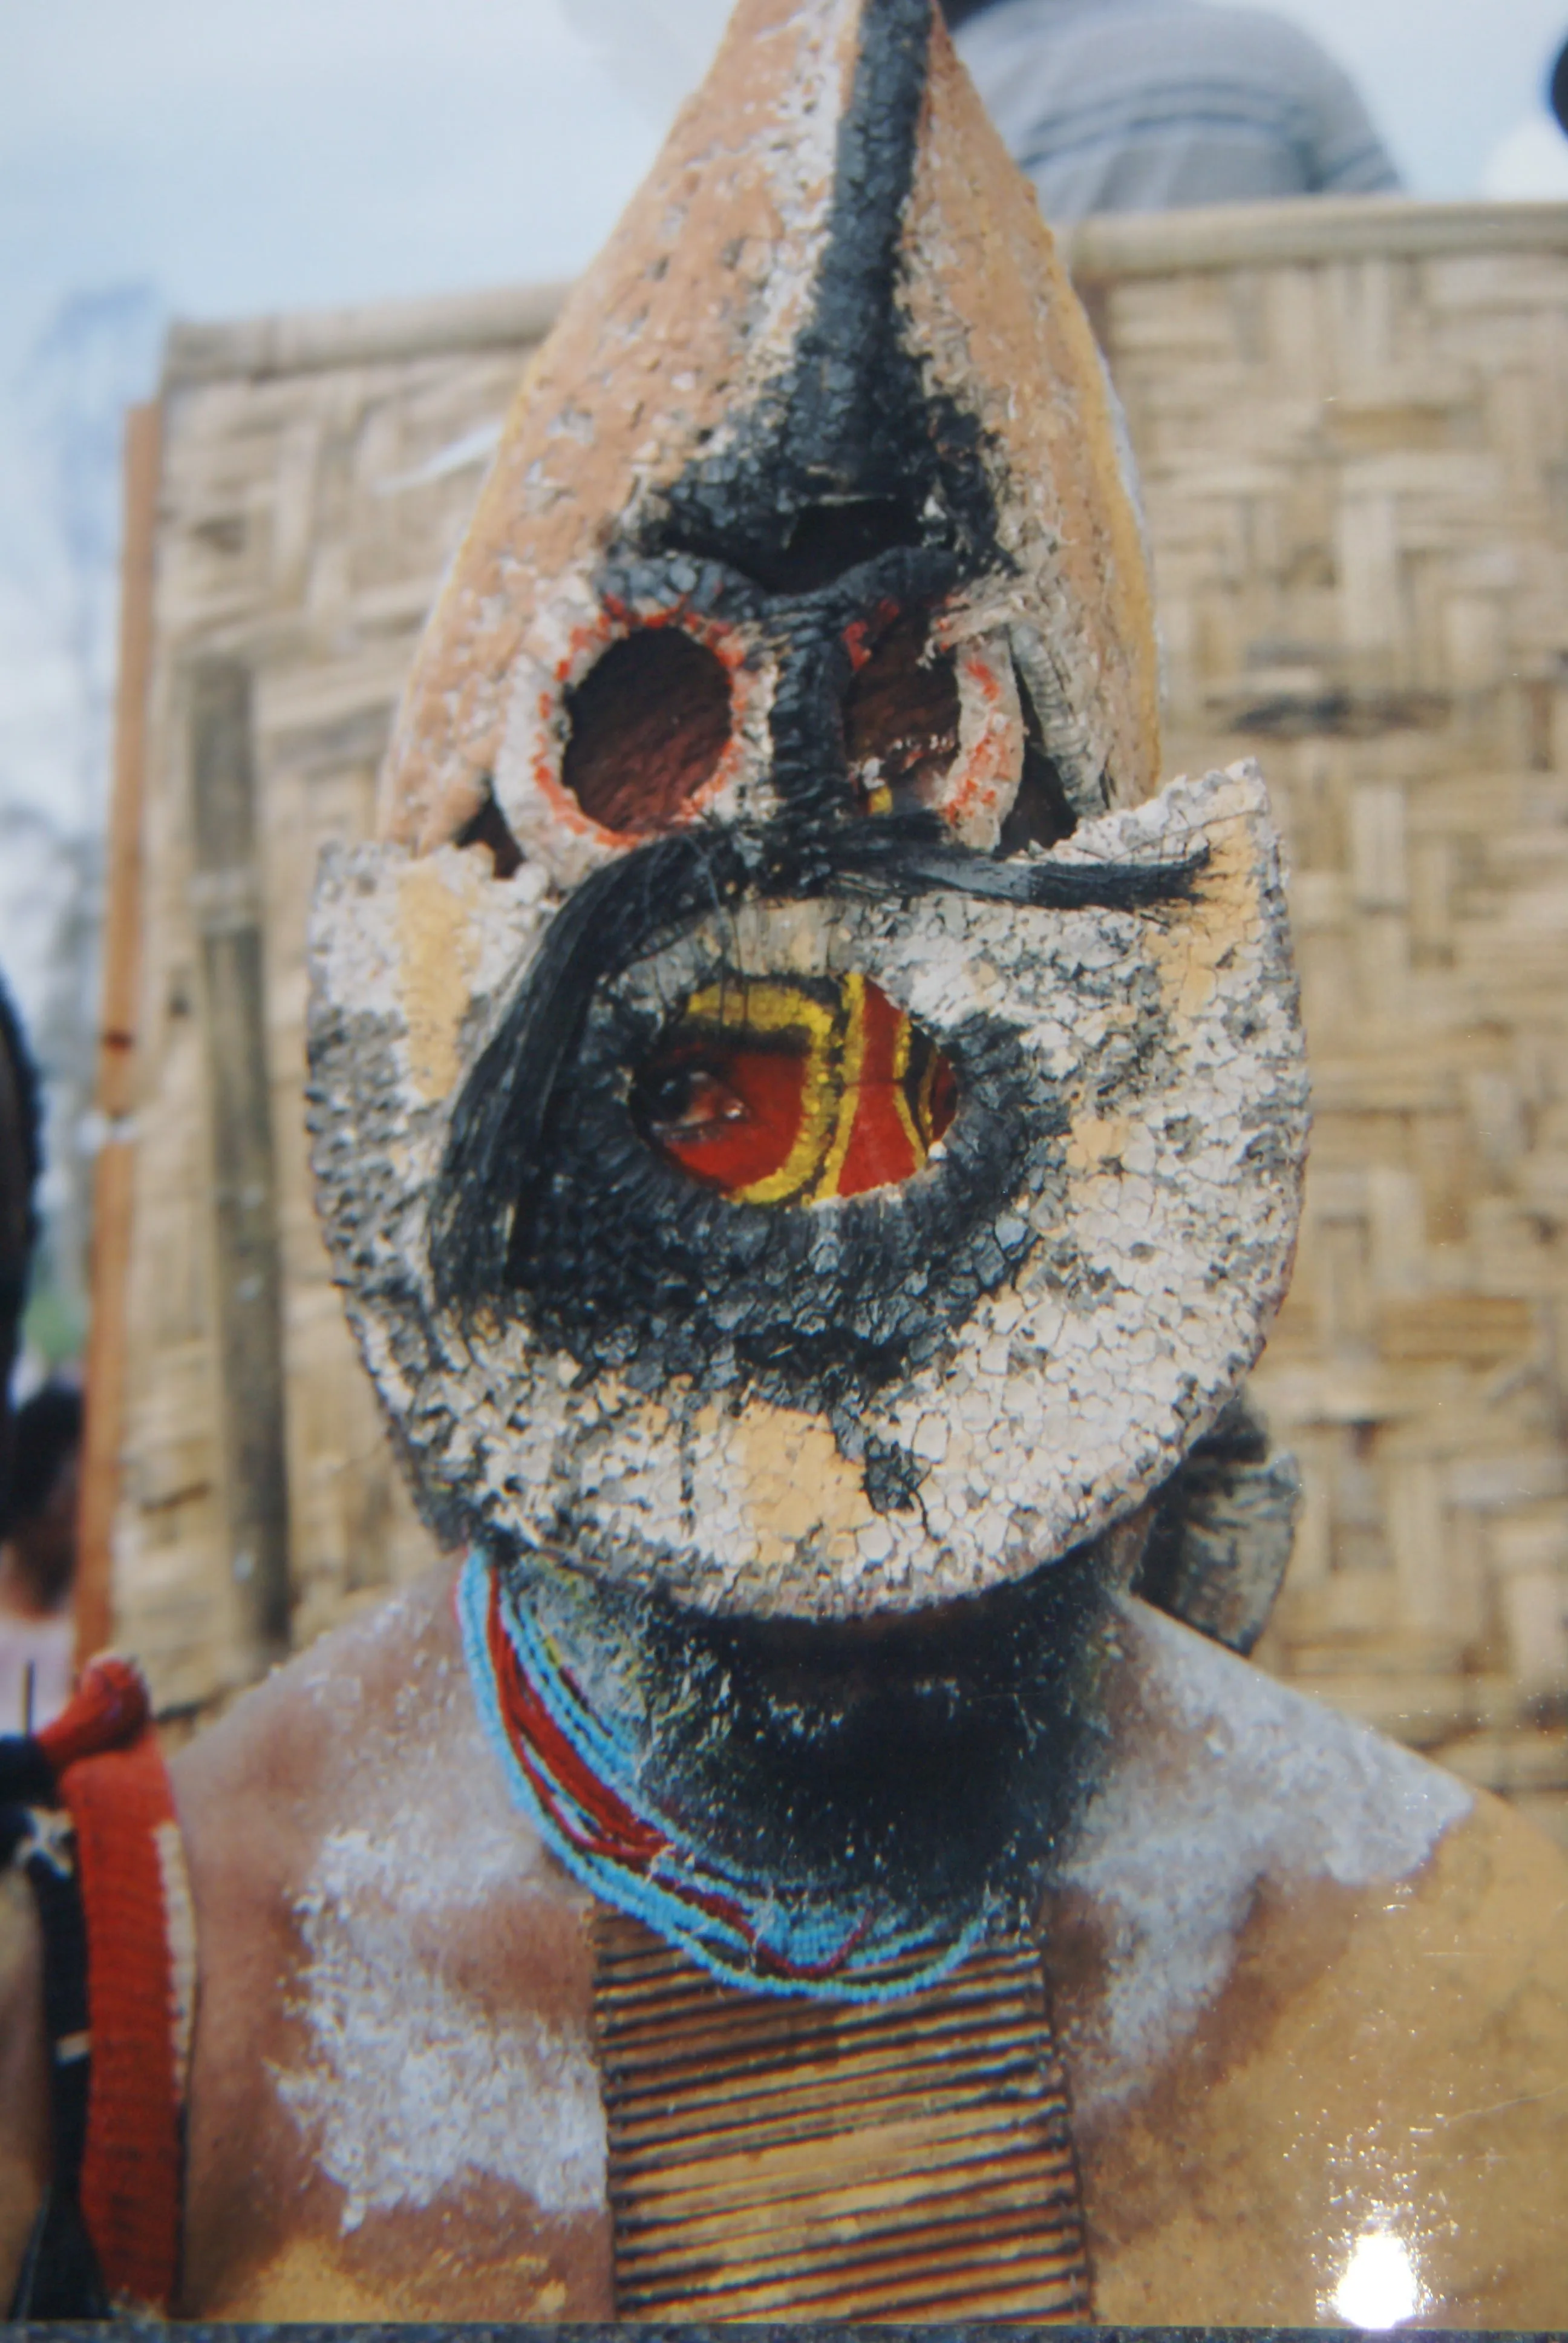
1380	2287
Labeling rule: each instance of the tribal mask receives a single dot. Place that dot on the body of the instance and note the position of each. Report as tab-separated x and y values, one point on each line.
798	1121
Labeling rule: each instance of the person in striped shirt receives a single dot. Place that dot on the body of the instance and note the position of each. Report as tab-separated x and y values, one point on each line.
1119	106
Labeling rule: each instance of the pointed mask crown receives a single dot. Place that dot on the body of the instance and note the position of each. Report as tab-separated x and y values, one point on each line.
831	341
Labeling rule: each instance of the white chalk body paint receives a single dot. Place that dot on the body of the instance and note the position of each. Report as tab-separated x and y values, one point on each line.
1283	1790
408	2087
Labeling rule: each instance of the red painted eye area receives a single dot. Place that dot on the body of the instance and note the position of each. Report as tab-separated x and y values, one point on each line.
901	718
789	1094
724	1110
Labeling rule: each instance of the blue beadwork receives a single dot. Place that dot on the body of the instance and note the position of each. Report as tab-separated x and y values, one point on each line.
871	1954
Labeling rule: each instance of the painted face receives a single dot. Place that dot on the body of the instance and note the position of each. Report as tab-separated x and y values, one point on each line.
797	1122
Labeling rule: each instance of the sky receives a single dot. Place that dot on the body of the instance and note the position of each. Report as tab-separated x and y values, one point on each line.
246	154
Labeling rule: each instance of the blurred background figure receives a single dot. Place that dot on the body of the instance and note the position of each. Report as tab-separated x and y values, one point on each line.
39	1443
19	1151
1121	106
1531	165
38	1559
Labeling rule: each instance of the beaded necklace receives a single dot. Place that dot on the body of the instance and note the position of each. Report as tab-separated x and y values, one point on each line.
576	1776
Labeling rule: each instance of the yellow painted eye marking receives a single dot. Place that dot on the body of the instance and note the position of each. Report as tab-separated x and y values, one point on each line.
840	1045
917	1133
851	1068
783	1009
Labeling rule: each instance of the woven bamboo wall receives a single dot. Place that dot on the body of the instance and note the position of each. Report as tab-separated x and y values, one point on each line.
1353	428
317	475
1352	422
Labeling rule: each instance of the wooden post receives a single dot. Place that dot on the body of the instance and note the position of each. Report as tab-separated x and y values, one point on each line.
115	1095
226	897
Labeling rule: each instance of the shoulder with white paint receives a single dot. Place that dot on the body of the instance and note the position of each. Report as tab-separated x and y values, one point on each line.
1278	1938
322	1729
1242	1771
392	2044
360	1765
1220	1784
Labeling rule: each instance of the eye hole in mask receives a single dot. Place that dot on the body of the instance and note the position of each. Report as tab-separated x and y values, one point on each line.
1042	813
777	1093
901	717
903	735
649	723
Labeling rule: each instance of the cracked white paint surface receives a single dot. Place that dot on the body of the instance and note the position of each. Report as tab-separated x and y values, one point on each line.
1151	1242
1171	1858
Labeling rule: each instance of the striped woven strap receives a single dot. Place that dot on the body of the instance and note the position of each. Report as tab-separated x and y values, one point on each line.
775	2158
141	1975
